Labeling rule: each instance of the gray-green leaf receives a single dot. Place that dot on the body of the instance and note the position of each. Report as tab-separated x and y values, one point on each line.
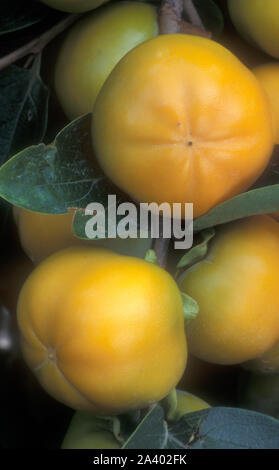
190	307
19	14
52	179
24	109
198	251
263	200
151	433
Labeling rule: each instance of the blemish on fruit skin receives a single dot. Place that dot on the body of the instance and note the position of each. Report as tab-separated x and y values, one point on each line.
51	355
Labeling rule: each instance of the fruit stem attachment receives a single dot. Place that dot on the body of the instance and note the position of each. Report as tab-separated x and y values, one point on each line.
161	246
169	404
170	16
37	45
193	14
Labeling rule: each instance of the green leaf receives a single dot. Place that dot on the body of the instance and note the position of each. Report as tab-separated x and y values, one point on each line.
197	252
211	15
52	179
23	109
19	14
257	201
190	307
226	428
151	433
211	428
151	257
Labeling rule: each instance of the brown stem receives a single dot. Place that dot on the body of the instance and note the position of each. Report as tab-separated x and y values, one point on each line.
192	14
161	246
36	45
170	15
29	61
171	22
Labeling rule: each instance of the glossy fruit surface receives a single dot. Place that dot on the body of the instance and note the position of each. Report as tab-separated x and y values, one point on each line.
258	22
41	235
102	332
236	287
93	47
74	6
182	130
268	76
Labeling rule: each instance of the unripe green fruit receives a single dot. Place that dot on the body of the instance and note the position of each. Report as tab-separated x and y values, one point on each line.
84	433
74	6
258	22
93	46
188	403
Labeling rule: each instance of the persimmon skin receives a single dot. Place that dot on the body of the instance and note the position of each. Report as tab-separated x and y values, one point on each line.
236	287
93	46
182	130
268	76
258	22
74	6
102	332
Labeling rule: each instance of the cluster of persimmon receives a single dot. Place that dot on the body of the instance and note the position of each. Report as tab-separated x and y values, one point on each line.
176	118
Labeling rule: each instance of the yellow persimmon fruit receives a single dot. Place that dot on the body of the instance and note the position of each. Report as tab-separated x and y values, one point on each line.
236	287
181	120
92	48
268	76
102	332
